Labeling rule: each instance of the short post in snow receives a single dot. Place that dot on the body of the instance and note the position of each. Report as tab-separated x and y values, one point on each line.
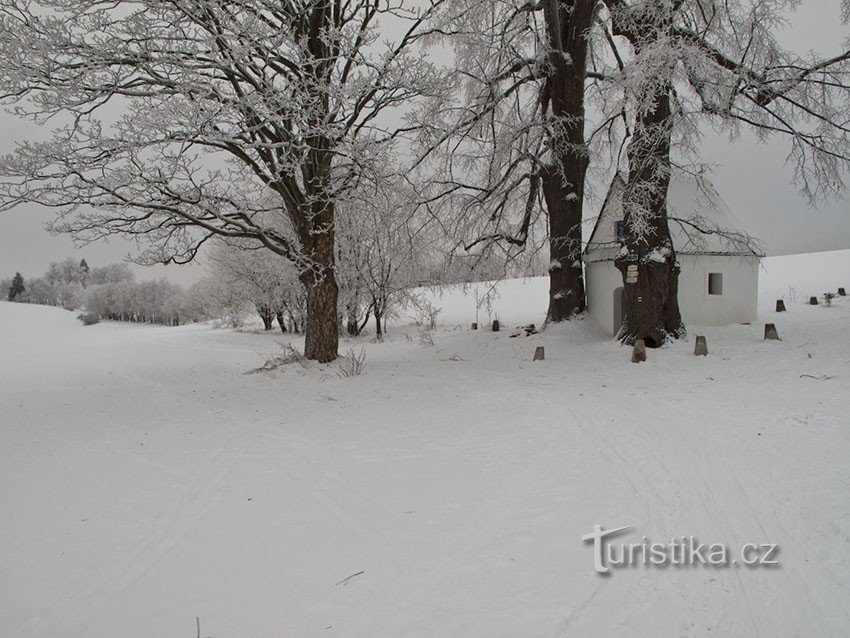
496	326
701	347
539	354
813	301
475	326
770	332
639	351
842	292
780	305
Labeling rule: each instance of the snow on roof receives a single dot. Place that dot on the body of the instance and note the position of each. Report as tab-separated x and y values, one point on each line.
701	223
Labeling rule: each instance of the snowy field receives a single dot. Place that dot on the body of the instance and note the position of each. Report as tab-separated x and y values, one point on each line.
147	481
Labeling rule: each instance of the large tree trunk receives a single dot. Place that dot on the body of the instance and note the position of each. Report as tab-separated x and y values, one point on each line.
567	24
648	263
566	282
322	339
322	333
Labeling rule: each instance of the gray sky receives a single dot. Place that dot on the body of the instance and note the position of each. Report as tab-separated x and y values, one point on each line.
750	176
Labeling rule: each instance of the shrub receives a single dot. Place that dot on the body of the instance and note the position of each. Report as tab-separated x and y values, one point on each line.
89	318
288	355
352	364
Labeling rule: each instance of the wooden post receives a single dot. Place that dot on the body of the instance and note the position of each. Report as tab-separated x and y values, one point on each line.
701	347
770	332
841	292
496	325
813	301
639	351
539	354
475	326
780	305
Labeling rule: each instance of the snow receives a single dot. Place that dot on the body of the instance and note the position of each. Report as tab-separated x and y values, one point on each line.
658	255
146	480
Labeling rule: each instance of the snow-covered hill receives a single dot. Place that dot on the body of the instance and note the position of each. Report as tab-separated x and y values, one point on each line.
145	480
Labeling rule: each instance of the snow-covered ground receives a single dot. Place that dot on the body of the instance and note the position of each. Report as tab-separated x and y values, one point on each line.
146	480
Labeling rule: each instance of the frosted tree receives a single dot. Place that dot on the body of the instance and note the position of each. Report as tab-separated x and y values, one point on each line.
67	271
41	291
244	274
67	279
110	274
157	301
680	63
514	143
179	120
384	240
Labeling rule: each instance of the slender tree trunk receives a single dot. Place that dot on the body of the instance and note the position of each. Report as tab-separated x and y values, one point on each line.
294	324
352	325
267	317
567	24
377	312
365	320
649	266
281	321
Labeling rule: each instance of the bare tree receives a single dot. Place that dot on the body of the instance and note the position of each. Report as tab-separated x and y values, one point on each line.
246	274
157	302
687	61
179	120
515	141
383	242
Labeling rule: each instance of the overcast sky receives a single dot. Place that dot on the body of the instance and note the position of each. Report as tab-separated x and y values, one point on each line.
751	177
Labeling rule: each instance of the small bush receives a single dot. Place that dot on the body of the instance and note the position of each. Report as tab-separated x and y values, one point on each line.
352	364
89	318
288	355
828	297
426	339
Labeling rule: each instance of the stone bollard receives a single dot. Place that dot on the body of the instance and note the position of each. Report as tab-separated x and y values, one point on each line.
813	301
496	326
701	347
780	305
841	292
639	351
539	354
475	326
770	332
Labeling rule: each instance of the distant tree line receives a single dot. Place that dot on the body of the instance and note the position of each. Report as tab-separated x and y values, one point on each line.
381	269
240	281
109	291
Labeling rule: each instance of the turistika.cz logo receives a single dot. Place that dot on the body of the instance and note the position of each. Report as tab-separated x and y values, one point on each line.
681	551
